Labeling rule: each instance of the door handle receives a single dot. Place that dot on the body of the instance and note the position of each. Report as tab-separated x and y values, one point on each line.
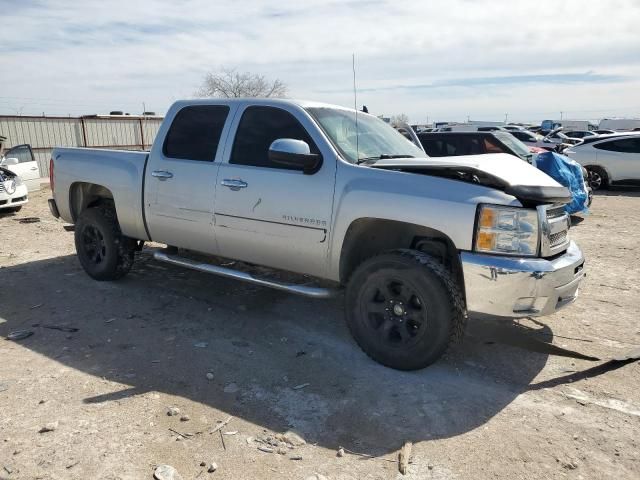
234	184
161	174
34	168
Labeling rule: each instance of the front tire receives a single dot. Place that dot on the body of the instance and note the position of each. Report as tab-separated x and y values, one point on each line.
404	309
104	253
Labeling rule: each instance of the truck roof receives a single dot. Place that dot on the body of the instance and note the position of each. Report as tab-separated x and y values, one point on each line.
260	101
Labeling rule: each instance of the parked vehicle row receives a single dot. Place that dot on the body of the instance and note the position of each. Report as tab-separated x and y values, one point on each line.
611	158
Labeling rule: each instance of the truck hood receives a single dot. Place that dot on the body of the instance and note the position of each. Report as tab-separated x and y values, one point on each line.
496	170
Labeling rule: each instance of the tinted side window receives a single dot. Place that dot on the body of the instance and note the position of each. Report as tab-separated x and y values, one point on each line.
195	132
523	136
21	152
429	143
627	145
259	127
492	146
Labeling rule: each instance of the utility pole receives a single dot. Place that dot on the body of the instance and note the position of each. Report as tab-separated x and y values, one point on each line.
506	116
561	112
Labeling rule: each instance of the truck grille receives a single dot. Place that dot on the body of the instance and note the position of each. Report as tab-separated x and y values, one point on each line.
556	239
1	187
555	229
555	212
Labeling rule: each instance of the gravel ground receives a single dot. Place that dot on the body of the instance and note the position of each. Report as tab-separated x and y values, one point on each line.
502	404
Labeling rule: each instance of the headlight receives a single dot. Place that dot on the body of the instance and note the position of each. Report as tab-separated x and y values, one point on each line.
507	230
17	180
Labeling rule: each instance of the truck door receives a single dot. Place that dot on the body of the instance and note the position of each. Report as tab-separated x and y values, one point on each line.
180	178
268	214
27	167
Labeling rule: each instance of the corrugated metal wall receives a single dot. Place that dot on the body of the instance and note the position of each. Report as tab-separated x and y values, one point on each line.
45	133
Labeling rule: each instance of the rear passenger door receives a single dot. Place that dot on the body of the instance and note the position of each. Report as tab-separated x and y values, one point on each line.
620	158
180	179
268	214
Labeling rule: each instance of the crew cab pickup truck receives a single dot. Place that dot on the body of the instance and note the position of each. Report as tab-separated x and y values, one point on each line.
335	196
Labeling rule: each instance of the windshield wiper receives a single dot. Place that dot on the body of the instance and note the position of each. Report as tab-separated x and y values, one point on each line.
384	156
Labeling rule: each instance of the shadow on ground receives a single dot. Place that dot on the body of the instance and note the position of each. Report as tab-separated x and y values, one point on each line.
142	331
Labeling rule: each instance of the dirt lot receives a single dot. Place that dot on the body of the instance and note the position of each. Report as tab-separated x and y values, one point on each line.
501	405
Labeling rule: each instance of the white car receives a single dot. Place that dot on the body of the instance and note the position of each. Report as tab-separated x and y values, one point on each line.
13	192
20	160
610	160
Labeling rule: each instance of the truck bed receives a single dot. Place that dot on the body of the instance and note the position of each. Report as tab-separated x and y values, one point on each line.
119	171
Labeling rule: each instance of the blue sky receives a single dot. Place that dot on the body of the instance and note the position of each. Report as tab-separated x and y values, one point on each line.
435	60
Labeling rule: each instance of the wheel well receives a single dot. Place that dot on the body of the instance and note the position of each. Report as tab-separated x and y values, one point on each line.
367	237
86	195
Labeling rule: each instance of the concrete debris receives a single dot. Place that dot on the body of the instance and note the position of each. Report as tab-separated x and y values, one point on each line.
249	440
292	438
282	450
403	458
49	427
295	457
209	376
231	388
19	335
213	466
173	411
265	449
166	472
340	452
302	385
185	418
221	425
233	432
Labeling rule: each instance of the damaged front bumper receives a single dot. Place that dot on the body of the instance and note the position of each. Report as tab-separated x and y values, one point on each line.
521	287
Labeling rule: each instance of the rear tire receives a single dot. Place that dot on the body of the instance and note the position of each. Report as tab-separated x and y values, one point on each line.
404	309
598	178
104	253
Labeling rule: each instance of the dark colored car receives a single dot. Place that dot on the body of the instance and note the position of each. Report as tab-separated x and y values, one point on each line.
448	144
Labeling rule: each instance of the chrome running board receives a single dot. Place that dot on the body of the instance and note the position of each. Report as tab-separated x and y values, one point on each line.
314	292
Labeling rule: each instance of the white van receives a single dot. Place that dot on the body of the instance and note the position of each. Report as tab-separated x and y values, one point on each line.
619	123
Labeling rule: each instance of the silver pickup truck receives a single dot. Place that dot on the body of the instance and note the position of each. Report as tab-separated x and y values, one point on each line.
337	198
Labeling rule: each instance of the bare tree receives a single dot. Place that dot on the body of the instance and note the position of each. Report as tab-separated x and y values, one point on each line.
398	119
229	83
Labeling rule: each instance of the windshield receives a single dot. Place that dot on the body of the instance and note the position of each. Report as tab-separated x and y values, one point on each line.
374	140
514	144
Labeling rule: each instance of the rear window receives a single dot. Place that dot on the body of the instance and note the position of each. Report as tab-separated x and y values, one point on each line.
195	133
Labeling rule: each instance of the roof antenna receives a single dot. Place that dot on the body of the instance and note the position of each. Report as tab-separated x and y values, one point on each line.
355	104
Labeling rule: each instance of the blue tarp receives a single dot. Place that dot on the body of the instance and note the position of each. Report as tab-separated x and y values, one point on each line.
567	173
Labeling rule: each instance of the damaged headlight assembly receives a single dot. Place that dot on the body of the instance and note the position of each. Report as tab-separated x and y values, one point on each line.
507	230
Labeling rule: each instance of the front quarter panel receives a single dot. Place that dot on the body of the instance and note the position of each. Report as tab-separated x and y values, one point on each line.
445	205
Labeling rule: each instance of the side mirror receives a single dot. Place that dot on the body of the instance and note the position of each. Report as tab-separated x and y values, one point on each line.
294	153
11	161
